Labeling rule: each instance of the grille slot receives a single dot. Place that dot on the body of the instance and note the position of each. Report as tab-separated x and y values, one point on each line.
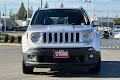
66	37
45	39
72	37
50	37
55	37
61	37
77	37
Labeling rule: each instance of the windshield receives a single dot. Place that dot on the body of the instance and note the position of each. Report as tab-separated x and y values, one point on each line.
57	16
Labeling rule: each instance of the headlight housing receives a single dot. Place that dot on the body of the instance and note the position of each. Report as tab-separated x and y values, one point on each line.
35	37
86	36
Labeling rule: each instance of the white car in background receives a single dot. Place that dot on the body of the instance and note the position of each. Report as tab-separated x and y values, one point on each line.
117	35
1	32
116	32
106	29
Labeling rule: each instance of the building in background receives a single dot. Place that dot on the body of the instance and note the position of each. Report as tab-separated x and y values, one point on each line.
10	21
104	21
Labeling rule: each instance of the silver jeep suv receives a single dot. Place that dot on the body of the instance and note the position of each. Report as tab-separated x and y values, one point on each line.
62	37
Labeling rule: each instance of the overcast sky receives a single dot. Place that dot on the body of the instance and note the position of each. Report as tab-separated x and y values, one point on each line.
103	7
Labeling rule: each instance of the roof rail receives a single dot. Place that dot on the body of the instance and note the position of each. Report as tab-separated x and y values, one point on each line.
81	7
39	8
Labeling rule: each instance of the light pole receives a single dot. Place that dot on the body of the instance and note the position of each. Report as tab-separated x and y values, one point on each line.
5	19
87	1
28	11
101	21
94	9
41	3
108	21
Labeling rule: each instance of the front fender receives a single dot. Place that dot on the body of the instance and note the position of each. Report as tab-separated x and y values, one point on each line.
97	41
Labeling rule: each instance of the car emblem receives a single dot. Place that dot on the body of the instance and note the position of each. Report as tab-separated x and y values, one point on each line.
61	29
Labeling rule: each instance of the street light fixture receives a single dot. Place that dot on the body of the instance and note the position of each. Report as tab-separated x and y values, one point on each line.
87	1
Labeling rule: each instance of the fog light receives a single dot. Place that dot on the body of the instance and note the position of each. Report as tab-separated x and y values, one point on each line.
91	56
32	57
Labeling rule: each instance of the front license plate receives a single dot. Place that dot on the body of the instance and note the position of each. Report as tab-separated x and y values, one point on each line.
61	54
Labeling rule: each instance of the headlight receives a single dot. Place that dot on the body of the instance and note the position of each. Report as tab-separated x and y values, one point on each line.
86	36
35	37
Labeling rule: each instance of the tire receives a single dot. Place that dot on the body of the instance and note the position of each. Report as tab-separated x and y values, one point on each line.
97	68
107	37
26	69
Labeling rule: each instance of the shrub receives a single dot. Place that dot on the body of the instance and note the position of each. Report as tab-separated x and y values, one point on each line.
19	39
6	38
12	38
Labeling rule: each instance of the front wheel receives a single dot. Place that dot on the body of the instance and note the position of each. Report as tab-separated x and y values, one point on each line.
26	69
97	67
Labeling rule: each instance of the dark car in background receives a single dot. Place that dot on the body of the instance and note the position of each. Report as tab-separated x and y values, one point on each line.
19	28
106	34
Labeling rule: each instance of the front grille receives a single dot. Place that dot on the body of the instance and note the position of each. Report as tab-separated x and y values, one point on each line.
61	60
66	37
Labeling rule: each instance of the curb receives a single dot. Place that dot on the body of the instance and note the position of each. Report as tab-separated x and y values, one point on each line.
10	44
105	47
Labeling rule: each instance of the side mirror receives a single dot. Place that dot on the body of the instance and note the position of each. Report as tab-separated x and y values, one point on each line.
95	23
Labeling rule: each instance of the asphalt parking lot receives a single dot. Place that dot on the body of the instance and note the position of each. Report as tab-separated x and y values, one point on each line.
11	69
110	43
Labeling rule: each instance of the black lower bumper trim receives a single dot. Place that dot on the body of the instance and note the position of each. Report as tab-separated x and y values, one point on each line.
49	65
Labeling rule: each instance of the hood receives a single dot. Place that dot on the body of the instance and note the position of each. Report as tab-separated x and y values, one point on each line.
59	28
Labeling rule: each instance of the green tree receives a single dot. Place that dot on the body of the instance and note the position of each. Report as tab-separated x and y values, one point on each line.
3	14
116	21
22	13
62	5
46	5
11	14
30	11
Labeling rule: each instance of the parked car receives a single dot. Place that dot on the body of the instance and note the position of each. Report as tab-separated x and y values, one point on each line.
23	28
10	28
106	29
1	32
17	28
116	31
61	37
117	35
106	34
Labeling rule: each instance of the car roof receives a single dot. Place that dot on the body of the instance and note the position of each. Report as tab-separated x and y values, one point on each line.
59	8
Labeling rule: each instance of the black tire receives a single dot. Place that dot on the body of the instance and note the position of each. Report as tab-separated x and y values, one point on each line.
107	37
26	69
97	68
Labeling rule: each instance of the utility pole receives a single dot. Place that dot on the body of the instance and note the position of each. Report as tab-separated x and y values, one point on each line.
94	9
87	1
108	21
101	21
28	11
41	3
5	20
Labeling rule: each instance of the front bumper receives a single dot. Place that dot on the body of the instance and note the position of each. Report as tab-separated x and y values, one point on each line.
77	57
